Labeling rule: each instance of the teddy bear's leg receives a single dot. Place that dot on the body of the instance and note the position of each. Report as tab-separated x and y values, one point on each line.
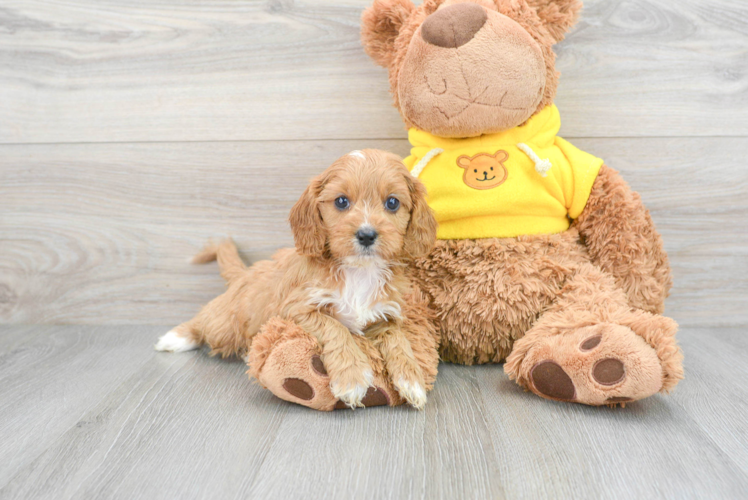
591	347
622	240
286	360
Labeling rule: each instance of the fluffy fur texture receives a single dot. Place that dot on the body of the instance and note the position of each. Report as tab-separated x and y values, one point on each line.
576	314
621	238
333	297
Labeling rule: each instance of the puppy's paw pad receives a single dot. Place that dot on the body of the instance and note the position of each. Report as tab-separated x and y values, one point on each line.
413	392
173	342
549	379
298	389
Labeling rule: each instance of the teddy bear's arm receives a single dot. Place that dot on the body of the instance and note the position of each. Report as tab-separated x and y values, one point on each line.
621	238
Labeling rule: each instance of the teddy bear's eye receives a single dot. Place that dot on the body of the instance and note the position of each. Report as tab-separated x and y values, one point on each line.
476	170
342	203
491	168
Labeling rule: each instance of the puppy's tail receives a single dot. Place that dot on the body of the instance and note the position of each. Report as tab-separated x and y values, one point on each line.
229	262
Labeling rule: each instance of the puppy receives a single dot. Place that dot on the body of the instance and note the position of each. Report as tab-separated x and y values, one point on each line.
356	227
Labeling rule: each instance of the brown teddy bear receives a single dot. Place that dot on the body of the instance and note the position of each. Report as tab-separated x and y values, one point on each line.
546	258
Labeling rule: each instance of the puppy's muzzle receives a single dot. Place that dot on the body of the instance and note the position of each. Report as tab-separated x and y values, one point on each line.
366	237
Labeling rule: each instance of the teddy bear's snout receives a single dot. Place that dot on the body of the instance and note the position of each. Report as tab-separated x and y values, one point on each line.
453	26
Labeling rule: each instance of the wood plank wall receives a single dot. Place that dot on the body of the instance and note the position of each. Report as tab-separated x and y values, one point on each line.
133	131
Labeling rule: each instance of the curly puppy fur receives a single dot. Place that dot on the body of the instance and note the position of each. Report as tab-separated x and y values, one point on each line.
353	300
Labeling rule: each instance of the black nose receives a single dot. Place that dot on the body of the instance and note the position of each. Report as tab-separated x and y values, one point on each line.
453	26
366	237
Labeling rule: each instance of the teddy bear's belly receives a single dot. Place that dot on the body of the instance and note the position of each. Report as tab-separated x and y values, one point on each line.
488	293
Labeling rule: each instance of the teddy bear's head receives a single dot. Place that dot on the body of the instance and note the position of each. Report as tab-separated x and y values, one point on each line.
462	68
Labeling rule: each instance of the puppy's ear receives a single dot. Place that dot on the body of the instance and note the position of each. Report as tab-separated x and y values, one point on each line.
306	222
420	236
380	25
558	16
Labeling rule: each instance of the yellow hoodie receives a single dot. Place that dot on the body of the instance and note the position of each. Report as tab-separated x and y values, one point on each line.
526	180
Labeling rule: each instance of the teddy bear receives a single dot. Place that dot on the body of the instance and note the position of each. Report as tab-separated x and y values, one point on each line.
546	259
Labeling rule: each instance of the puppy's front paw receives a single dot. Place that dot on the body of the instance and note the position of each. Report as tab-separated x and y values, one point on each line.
413	392
351	388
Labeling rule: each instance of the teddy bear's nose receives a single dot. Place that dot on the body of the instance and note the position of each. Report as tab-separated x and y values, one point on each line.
453	26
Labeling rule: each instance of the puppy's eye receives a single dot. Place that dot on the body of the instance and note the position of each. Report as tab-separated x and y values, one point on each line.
342	203
392	204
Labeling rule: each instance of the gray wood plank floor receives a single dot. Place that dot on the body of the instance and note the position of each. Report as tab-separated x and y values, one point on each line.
94	412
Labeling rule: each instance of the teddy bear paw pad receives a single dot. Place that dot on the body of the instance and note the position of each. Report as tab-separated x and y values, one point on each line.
609	371
374	397
604	364
293	371
318	366
590	343
552	381
298	388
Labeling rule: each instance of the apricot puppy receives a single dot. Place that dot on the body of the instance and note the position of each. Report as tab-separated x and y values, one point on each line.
356	227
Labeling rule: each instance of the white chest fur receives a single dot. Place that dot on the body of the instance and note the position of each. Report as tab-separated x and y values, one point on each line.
360	301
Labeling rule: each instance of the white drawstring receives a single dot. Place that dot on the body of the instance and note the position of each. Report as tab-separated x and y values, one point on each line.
541	166
418	168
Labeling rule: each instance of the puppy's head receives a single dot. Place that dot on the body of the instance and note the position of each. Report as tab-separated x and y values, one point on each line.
365	206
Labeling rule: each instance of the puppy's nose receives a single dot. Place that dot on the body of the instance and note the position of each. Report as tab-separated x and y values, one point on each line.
366	237
453	26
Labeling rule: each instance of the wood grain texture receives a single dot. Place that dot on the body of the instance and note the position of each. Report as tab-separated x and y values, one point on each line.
190	426
47	385
101	234
123	71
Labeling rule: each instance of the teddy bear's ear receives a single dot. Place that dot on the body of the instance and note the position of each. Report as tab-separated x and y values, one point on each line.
557	15
501	155
463	161
380	25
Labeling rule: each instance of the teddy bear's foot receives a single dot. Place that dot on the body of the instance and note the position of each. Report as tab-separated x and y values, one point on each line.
286	360
595	365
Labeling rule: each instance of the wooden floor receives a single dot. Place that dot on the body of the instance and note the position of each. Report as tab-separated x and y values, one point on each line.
92	412
133	131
